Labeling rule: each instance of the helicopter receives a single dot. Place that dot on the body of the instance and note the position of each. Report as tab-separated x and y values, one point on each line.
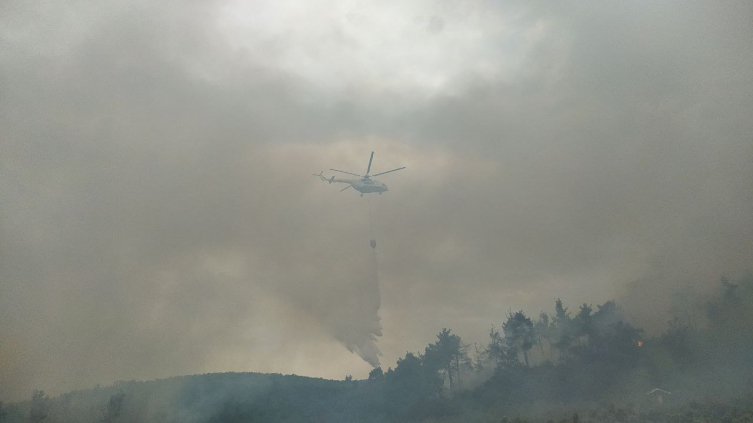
365	185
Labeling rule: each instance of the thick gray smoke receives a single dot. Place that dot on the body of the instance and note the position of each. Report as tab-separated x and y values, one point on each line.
158	217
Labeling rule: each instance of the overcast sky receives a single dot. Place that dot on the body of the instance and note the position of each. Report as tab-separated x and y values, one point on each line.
158	216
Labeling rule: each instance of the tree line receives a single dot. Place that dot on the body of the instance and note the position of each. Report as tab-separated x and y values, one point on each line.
583	356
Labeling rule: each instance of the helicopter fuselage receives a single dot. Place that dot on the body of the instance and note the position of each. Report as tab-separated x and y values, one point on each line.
367	186
364	186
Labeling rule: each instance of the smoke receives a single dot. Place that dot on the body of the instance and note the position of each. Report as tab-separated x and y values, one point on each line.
158	217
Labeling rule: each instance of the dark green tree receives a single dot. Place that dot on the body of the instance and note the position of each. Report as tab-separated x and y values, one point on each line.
561	315
519	334
376	374
563	329
413	388
416	374
448	355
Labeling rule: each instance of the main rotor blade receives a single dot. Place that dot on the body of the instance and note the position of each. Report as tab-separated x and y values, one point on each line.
349	186
370	159
393	170
342	171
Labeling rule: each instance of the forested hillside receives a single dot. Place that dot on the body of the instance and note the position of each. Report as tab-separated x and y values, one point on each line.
587	364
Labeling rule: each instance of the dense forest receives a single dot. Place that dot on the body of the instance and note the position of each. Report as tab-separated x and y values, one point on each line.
582	365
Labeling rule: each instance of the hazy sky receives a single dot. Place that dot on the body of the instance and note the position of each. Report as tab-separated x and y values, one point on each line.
158	217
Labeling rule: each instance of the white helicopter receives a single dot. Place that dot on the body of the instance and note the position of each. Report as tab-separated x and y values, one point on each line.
365	185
